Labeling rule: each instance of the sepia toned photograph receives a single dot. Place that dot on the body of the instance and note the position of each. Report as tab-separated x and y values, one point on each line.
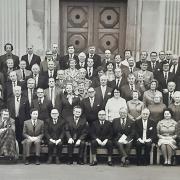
89	89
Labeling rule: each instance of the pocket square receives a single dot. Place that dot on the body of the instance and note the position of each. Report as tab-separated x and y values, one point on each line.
150	128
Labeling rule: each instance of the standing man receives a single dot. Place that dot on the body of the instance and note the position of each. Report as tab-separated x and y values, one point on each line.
107	58
42	104
8	48
123	129
145	130
23	73
103	92
64	60
91	106
76	133
91	73
31	58
33	133
101	134
54	133
19	109
92	54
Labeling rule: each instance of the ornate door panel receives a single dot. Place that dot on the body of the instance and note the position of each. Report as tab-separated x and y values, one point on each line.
110	27
77	29
101	24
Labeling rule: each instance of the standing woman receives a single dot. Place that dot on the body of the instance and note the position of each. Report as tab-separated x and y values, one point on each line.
67	101
156	109
114	104
167	135
109	71
135	106
148	97
175	107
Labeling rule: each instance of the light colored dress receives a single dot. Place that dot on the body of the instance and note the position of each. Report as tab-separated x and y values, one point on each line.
134	109
113	106
166	129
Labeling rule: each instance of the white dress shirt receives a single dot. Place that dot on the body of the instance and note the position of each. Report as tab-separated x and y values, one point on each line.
17	105
144	129
103	90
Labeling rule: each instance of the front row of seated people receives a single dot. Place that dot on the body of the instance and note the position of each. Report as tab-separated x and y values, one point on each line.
122	133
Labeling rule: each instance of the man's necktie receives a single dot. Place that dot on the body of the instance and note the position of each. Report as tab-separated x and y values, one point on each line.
89	74
91	102
14	84
131	85
51	93
51	74
35	80
131	71
117	84
34	127
153	65
123	123
165	76
23	74
174	69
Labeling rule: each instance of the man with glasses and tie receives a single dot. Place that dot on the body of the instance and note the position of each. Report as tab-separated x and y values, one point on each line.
92	54
43	104
91	106
52	92
54	133
164	76
33	133
64	60
23	73
123	130
82	61
19	109
127	89
76	133
10	85
146	135
168	96
101	136
90	69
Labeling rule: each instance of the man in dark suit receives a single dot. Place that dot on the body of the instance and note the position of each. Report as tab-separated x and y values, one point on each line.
91	72
38	77
8	47
107	58
175	69
33	133
154	65
19	109
43	105
168	96
55	55
126	70
145	130
163	77
76	133
123	130
60	80
103	92
126	90
92	54
119	80
64	60
9	85
52	92
143	57
101	134
82	61
50	73
31	58
23	73
91	106
30	92
54	133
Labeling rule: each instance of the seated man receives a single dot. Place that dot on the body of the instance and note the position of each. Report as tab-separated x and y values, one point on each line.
54	133
33	132
76	132
101	134
123	129
8	146
145	130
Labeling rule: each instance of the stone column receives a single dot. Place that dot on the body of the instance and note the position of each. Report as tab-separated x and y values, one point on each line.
13	25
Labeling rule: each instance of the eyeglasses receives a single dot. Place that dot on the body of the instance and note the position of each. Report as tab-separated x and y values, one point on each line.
91	91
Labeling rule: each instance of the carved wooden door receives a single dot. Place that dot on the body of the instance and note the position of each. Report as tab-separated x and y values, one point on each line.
100	24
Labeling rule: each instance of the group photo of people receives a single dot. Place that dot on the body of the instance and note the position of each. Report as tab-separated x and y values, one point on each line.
86	101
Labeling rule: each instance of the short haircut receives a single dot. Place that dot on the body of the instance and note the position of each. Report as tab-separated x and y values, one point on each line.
33	109
170	110
9	45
